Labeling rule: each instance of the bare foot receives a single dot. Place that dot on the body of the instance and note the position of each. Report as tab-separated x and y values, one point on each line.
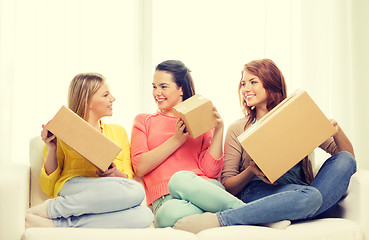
33	220
40	210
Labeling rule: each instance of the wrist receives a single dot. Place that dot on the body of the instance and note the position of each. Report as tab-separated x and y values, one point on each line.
176	141
51	148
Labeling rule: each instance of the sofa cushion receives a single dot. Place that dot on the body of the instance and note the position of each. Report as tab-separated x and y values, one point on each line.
111	234
327	229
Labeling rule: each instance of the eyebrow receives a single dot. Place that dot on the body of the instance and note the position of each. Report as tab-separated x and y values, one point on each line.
161	84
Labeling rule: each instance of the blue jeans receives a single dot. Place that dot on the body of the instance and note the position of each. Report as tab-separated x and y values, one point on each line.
189	195
106	202
270	203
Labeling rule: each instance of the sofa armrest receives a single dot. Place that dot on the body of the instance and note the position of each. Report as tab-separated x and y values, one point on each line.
14	194
355	205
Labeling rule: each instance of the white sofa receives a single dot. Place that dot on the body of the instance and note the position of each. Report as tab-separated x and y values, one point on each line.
19	188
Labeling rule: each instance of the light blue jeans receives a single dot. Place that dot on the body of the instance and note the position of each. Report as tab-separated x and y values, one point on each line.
270	203
189	195
100	202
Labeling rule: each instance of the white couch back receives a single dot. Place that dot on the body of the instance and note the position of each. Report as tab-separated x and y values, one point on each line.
36	148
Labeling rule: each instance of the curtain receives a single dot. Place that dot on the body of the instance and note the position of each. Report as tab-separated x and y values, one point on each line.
44	44
320	46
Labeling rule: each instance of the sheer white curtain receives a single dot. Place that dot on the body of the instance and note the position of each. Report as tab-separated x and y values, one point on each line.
216	38
320	46
44	43
311	41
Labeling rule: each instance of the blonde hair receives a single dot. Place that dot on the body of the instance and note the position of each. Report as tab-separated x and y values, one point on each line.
81	89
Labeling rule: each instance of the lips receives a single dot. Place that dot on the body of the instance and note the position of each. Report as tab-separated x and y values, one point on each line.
249	96
160	100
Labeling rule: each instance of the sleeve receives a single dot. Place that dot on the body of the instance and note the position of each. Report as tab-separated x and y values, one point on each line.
232	155
47	182
139	137
329	146
123	160
210	166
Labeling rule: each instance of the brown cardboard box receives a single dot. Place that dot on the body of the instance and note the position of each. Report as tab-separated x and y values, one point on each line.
83	138
286	134
197	114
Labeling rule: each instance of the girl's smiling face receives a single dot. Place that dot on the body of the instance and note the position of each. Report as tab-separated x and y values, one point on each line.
253	91
101	104
165	91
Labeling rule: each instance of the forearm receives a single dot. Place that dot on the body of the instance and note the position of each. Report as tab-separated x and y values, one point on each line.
51	163
343	143
237	183
153	158
216	146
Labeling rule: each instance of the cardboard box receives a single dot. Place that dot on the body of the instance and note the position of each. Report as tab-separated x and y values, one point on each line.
83	138
197	114
286	134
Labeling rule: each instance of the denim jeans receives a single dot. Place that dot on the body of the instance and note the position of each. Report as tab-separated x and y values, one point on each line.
270	203
189	195
108	202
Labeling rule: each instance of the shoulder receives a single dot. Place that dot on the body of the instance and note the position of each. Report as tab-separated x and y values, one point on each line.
238	126
145	118
141	117
115	131
114	127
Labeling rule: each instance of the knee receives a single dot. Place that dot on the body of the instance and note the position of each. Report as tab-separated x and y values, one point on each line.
347	162
137	191
144	217
130	191
181	176
179	181
311	202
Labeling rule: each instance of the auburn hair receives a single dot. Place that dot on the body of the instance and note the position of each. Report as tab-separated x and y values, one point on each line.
273	82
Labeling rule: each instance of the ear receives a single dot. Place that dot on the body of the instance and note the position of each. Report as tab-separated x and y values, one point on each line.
180	89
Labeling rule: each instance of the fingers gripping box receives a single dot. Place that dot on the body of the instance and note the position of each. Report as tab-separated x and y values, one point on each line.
197	114
83	138
286	134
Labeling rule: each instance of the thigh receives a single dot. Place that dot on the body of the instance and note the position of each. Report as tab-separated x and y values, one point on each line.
259	189
82	195
78	184
206	194
172	210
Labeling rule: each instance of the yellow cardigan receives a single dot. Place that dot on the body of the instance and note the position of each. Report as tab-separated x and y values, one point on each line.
71	164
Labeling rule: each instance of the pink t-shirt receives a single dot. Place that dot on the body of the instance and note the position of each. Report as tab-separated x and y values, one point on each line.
150	131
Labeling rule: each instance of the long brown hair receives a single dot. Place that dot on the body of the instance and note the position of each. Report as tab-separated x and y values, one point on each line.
273	82
81	89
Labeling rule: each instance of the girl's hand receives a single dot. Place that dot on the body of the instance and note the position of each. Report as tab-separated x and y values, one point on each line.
180	133
112	172
256	170
220	122
335	124
48	138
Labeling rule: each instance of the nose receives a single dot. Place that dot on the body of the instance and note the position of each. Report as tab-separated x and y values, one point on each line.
156	92
112	99
246	88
